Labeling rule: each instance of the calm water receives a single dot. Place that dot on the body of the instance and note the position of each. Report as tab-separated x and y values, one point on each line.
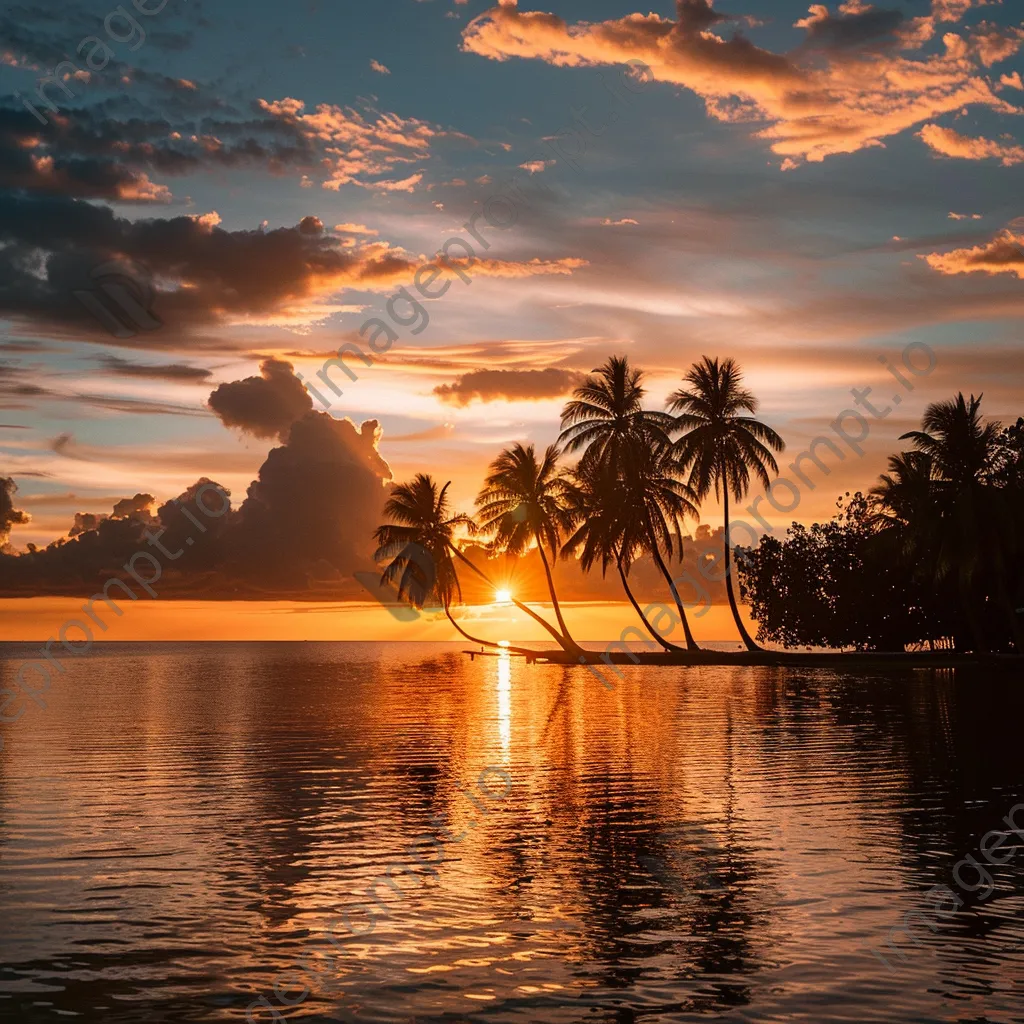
182	824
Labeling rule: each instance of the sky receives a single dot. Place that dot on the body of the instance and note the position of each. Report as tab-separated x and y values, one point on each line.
809	190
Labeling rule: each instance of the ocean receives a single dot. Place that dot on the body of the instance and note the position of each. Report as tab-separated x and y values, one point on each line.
390	832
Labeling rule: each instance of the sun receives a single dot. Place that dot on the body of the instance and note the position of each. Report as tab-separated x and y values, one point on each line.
502	596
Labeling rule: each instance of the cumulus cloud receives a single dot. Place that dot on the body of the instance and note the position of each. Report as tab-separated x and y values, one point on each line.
852	97
381	69
264	406
307	518
951	143
508	385
316	502
50	245
136	509
9	515
1003	255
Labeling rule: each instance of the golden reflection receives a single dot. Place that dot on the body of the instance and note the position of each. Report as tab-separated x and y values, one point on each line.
505	701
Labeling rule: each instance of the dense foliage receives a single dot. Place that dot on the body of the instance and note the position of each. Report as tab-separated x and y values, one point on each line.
934	555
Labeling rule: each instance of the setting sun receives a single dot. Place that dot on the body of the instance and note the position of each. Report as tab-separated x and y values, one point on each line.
502	596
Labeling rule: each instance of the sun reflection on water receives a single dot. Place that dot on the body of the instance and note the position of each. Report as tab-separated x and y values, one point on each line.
504	661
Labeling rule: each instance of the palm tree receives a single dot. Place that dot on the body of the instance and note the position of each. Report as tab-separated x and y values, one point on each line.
423	521
521	503
962	448
660	500
722	446
964	453
905	522
904	495
607	419
605	416
605	529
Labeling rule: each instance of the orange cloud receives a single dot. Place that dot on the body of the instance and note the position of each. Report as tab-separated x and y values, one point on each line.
1003	255
993	43
853	100
508	385
357	148
512	269
951	143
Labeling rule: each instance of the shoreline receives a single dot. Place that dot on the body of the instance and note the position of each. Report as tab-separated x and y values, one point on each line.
771	659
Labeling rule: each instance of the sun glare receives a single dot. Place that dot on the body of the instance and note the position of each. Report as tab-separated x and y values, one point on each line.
502	596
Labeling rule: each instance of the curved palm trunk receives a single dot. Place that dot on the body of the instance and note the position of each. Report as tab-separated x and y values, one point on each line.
636	607
744	635
691	644
567	645
477	640
551	591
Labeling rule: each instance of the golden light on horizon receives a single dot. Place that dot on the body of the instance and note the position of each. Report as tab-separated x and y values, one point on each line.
503	596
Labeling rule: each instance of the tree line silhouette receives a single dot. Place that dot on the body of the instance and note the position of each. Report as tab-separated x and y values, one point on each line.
931	556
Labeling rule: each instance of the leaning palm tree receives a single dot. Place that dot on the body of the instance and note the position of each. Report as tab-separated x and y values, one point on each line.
722	446
419	545
602	528
659	501
606	419
522	503
606	414
423	523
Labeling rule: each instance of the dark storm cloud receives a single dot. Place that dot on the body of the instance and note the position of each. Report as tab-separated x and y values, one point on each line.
264	406
50	245
317	501
307	519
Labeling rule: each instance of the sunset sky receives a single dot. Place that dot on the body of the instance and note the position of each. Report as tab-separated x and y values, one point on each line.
804	190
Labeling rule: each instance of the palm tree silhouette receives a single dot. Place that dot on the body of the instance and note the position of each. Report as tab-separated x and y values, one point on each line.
660	500
722	446
607	419
606	529
424	522
963	451
423	519
522	502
